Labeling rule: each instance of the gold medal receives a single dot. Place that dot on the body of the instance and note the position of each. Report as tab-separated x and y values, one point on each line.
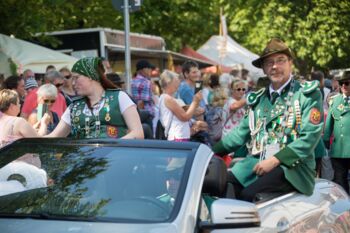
108	117
341	107
76	119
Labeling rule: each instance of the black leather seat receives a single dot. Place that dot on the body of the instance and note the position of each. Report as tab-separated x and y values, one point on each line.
215	181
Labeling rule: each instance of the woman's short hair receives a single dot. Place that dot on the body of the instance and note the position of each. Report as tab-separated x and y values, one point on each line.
47	90
236	81
7	97
167	77
219	97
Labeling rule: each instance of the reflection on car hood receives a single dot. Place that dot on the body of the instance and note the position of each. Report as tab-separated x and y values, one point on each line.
44	226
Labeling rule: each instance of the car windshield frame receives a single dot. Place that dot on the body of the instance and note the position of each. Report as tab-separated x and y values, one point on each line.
187	151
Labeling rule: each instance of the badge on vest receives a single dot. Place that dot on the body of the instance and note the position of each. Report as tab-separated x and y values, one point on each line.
112	131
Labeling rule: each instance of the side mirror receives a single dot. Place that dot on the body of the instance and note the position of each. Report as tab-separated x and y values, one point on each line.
231	214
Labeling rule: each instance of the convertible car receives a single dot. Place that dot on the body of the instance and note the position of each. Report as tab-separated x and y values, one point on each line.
64	185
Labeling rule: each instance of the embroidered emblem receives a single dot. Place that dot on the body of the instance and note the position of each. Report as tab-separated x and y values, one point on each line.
112	131
315	116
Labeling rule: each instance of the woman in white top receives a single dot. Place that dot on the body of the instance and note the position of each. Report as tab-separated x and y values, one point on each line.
172	116
234	107
13	127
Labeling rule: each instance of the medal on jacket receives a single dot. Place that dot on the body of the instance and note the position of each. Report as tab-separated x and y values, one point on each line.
298	114
340	107
87	127
106	106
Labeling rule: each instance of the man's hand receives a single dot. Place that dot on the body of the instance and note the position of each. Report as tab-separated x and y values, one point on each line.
266	166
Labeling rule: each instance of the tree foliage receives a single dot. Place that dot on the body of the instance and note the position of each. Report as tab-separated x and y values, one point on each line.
318	31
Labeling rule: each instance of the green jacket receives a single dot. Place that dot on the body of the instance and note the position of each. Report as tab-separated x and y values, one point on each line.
338	123
297	134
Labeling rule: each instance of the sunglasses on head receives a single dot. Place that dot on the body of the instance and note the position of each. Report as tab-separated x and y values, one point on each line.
47	101
240	89
346	83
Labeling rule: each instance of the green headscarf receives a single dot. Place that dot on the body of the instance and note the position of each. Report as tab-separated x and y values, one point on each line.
88	66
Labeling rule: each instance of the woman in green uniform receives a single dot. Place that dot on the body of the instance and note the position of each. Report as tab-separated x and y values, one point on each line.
102	111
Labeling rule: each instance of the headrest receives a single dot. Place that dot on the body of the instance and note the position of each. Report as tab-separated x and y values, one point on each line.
215	180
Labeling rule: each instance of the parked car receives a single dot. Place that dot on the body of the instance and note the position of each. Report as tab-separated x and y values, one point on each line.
65	185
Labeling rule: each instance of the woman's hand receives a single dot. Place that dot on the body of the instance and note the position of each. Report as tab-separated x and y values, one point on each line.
198	97
45	120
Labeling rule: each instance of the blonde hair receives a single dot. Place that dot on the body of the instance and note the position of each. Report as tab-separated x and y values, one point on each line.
7	97
236	81
219	97
167	77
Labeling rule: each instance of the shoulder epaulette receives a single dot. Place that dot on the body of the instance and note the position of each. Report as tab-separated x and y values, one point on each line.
309	86
331	99
253	97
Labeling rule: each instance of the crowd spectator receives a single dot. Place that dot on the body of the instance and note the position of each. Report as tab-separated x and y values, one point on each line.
141	91
30	103
13	127
30	84
172	116
206	87
67	89
234	107
47	95
117	80
16	83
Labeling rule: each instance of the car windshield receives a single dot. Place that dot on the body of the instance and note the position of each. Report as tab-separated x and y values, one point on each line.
93	182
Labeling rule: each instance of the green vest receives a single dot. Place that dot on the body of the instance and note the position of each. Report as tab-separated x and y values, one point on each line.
108	123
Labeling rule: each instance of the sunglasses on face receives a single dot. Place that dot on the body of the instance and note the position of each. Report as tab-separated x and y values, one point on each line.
58	85
67	76
346	83
48	101
240	89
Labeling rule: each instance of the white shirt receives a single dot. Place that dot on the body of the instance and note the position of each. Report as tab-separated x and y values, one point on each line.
177	129
279	91
124	103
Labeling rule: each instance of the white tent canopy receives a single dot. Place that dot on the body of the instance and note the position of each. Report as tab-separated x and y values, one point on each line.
27	55
233	55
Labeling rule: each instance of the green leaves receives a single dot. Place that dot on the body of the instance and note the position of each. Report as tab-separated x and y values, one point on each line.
318	31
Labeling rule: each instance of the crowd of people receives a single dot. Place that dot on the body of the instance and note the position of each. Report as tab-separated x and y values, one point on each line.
275	123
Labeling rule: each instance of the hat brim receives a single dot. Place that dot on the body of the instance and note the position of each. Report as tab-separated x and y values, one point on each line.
259	62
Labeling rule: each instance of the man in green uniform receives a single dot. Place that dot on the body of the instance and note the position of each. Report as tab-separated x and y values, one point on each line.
338	122
281	129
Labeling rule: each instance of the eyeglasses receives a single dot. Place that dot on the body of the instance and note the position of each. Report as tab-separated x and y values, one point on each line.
67	76
240	89
346	83
279	61
58	85
47	101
